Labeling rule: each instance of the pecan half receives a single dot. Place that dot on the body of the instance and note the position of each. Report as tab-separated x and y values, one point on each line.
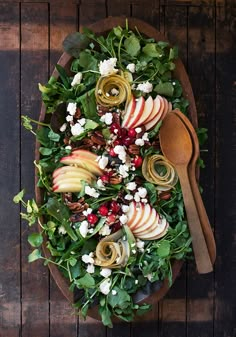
77	114
115	180
97	138
134	149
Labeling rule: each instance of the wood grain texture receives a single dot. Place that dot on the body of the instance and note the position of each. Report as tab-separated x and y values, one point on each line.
34	69
10	266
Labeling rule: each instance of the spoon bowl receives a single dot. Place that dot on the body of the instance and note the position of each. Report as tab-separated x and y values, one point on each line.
177	147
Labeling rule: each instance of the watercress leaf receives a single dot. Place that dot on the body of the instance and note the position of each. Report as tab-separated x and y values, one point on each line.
162	44
118	31
106	316
132	45
165	89
87	281
164	248
152	50
75	42
45	151
119	299
89	106
87	61
42	136
202	135
152	192
143	309
72	261
35	255
35	239
89	246
173	53
55	137
18	198
57	210
63	75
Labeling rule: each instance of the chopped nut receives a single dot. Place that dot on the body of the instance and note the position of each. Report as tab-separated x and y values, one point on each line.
165	195
98	139
77	114
115	180
134	149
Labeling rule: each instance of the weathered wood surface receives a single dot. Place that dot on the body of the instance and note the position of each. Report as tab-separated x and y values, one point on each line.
30	43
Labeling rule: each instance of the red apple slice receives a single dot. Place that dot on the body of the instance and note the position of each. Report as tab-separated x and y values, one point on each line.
155	110
84	154
72	175
129	112
149	225
159	230
158	236
131	214
144	218
170	107
140	104
69	185
158	116
166	108
85	163
65	169
138	216
148	107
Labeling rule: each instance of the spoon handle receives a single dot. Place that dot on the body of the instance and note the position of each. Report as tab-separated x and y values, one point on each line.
200	249
206	227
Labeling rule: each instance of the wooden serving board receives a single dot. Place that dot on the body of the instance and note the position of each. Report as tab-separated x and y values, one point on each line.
102	28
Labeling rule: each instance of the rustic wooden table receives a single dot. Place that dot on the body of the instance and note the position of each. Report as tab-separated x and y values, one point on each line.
30	44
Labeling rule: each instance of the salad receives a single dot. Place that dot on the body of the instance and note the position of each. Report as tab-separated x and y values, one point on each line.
112	212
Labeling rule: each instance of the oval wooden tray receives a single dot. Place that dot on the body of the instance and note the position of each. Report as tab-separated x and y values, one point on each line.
101	28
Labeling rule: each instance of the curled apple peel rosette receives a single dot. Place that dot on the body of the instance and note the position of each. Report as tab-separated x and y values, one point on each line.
112	251
112	90
159	171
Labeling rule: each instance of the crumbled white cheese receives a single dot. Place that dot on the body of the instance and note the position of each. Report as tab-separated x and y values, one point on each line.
102	162
61	230
76	129
123	170
68	147
136	282
87	259
105	272
131	67
69	118
140	244
107	67
144	200
71	108
90	269
91	191
114	292
142	192
107	118
137	197
145	87
125	208
129	197
120	150
131	186
77	79
87	211
123	219
138	130
145	137
139	142
105	286
115	92
149	277
81	121
84	228
133	251
63	127
100	184
105	230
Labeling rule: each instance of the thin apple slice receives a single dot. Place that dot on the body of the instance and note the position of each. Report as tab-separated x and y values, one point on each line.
65	169
72	175
69	185
148	107
84	154
155	110
138	216
158	116
129	112
149	225
137	112
158	236
166	108
87	164
131	214
158	231
170	107
144	219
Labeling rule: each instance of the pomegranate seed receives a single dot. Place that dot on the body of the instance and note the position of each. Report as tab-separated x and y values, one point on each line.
132	133
105	178
115	128
115	207
103	210
116	227
137	161
111	218
116	142
127	141
112	153
92	218
123	132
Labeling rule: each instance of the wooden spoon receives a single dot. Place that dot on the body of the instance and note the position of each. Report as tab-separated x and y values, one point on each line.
177	147
206	227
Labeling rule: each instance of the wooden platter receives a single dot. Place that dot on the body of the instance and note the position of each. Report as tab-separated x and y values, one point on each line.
101	28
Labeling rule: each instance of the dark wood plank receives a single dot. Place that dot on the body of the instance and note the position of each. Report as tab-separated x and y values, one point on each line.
225	227
10	252
63	21
34	69
201	66
173	307
118	8
151	16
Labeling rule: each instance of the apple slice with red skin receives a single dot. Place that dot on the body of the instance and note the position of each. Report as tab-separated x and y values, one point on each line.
129	112
155	110
72	175
148	225
85	163
131	214
166	108
159	231
162	234
84	154
136	217
148	107
140	104
158	116
145	216
68	185
170	107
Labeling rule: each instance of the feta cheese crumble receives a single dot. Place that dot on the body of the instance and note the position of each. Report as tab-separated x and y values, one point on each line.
131	67
131	186
107	118
71	108
145	87
84	228
91	191
102	162
77	79
69	118
107	67
139	142
114	292
105	230
87	259
115	92
61	230
105	272
90	269
125	208
100	184
120	150
77	129
123	170
87	211
105	286
142	192
63	127
129	197
123	219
